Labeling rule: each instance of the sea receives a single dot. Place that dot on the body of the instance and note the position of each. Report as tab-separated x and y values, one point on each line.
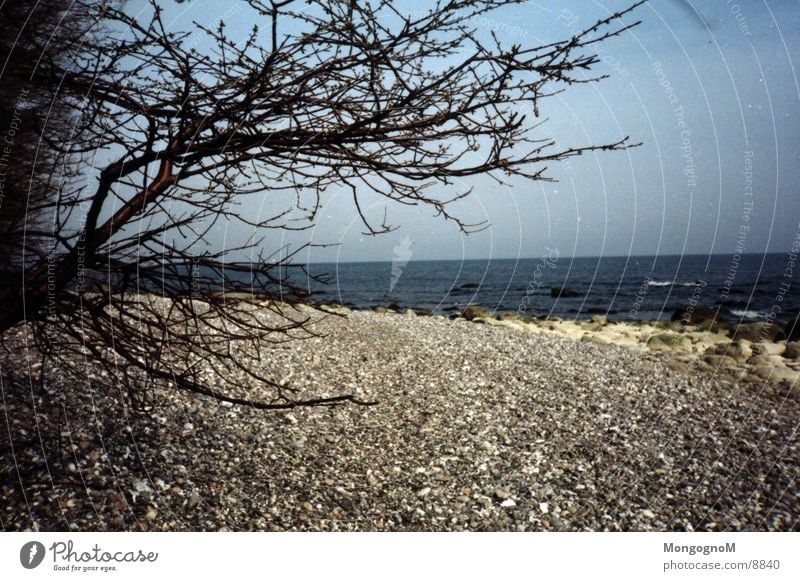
749	287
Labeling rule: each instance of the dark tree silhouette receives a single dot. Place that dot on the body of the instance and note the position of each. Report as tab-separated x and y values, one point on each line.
38	39
177	127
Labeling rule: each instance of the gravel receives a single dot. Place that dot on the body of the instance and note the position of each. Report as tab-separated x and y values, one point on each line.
477	428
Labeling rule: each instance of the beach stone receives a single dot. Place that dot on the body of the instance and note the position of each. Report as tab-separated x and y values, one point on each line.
679	366
502	493
380	310
759	332
669	342
335	309
508	316
424	313
775	372
739	350
562	293
507	323
410	313
792	351
711	326
765	360
599	319
544	508
719	360
767	348
305	308
476	312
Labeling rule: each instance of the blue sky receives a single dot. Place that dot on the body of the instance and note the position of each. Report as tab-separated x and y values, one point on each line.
733	106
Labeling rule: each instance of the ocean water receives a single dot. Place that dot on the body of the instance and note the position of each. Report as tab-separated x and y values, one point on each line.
748	287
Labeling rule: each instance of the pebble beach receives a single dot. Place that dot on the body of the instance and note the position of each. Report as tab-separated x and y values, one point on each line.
488	424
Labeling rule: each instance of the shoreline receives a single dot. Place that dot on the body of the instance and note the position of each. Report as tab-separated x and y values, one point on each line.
756	350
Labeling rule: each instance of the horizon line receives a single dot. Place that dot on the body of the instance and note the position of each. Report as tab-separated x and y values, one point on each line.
541	257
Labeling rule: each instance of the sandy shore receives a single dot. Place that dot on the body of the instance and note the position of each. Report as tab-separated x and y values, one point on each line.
503	425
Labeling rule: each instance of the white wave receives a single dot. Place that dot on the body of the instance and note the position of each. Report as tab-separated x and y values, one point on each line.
660	283
747	314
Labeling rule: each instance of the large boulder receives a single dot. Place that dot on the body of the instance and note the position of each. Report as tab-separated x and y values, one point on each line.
476	312
739	350
669	342
765	360
763	331
767	348
711	326
719	360
792	351
776	373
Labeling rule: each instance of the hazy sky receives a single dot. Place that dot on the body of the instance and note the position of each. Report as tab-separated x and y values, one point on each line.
734	106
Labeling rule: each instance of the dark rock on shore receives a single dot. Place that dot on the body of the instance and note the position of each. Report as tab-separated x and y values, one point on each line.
765	331
475	312
792	329
693	315
508	316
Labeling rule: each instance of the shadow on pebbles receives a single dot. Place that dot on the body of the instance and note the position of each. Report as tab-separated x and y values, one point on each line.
478	428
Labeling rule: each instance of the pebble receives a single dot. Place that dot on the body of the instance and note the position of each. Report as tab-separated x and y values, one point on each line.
502	492
544	508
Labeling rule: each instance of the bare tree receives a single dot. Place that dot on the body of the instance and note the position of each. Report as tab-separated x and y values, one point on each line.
181	126
37	41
